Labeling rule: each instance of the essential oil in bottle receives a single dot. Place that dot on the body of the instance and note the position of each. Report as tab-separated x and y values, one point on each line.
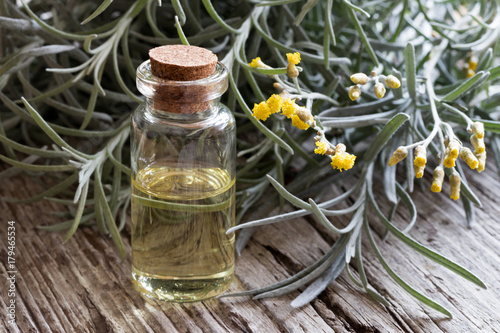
183	181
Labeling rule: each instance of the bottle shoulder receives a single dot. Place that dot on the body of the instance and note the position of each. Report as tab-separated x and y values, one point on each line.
218	118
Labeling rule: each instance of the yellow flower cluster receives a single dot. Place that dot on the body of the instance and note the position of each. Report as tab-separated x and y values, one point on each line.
360	79
261	111
471	66
300	116
258	63
455	185
341	159
437	179
420	161
451	153
475	160
322	147
477	141
293	60
399	155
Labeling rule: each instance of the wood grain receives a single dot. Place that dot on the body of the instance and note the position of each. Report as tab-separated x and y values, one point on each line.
84	286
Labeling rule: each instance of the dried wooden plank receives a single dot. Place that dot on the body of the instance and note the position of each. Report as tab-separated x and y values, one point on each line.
84	286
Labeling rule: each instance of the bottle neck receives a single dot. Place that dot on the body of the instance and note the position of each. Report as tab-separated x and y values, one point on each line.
181	97
181	112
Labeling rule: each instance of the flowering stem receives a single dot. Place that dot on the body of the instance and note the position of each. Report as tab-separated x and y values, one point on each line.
297	86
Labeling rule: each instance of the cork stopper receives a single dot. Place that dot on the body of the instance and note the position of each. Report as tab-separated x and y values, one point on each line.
181	78
182	62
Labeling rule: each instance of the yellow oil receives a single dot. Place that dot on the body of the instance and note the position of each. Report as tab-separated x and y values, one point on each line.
180	250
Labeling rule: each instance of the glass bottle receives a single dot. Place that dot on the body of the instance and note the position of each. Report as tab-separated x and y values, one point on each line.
183	156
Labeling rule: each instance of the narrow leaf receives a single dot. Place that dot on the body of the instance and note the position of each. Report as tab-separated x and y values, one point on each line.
98	11
424	299
78	214
383	136
320	284
443	261
410	71
465	87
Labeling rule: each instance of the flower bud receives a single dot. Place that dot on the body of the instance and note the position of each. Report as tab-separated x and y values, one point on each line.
359	78
454	147
379	90
477	143
455	186
258	63
478	129
292	71
420	156
303	113
392	82
399	155
468	157
481	158
354	92
451	153
437	179
473	62
340	148
419	171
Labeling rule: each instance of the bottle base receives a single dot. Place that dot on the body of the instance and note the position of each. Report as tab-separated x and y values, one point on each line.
170	289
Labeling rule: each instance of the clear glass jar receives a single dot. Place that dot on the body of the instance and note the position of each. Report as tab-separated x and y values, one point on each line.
183	158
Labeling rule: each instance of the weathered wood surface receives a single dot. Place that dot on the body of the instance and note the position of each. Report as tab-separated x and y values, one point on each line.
83	286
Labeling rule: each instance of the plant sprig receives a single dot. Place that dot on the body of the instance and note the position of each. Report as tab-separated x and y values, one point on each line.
68	90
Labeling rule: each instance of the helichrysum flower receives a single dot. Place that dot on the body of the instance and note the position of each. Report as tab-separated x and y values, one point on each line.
437	179
478	129
297	122
420	156
257	63
261	111
359	78
392	82
477	143
293	59
472	62
288	107
419	171
455	186
354	92
481	159
451	153
468	157
274	103
454	147
398	155
341	159
322	147
379	90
